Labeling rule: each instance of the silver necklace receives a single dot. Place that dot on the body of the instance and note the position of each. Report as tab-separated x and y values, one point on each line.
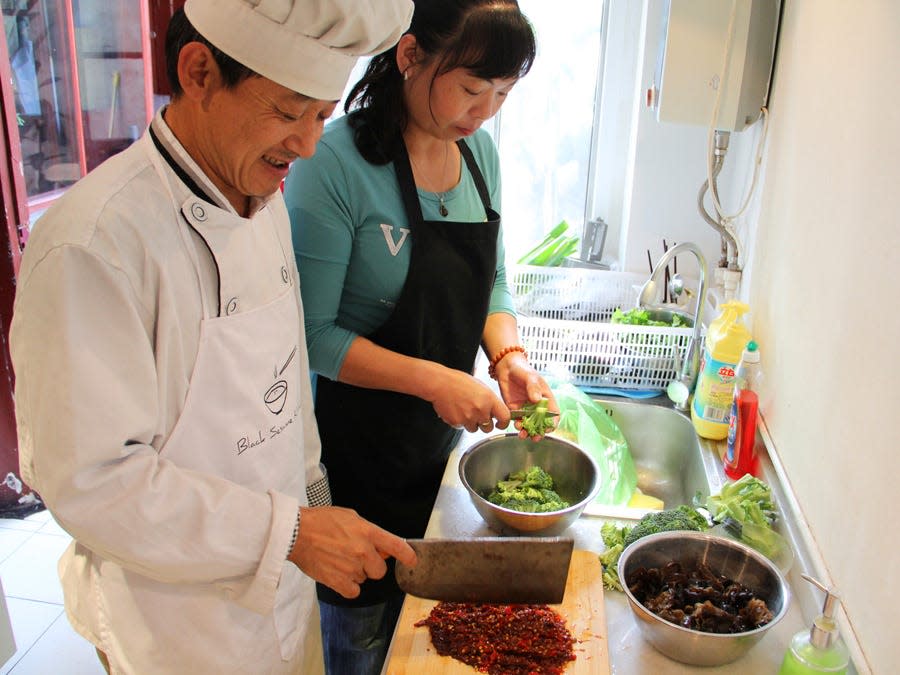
442	208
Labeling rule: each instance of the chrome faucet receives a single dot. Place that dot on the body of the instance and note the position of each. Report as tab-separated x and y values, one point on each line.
651	297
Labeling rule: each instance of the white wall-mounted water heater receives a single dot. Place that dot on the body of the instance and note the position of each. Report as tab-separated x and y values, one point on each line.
715	53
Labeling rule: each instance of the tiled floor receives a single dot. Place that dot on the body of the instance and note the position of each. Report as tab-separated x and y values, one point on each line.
46	643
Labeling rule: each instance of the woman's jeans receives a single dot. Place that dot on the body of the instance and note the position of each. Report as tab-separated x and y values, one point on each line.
356	639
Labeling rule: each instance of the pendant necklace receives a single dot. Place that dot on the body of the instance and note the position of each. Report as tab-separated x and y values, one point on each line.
442	207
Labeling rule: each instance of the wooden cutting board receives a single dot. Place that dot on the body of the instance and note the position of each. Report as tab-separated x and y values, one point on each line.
582	607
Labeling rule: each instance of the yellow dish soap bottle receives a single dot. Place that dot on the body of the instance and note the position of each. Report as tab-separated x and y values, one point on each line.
726	338
819	649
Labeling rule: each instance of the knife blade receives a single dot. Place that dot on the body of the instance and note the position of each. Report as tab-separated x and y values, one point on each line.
501	570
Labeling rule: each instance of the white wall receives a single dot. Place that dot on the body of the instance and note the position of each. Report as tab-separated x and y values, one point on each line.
822	240
824	278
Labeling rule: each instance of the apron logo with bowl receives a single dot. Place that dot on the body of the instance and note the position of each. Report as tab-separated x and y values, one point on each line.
276	395
275	399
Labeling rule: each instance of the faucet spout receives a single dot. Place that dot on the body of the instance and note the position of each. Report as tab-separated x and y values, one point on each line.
651	297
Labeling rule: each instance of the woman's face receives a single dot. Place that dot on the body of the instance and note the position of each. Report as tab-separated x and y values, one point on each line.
454	105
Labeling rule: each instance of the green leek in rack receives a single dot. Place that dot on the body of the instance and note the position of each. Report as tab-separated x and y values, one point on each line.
553	249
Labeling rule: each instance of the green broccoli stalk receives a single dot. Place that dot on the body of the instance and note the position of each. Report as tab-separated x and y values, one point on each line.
614	539
537	420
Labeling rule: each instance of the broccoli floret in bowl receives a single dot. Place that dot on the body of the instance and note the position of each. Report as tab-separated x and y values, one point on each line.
529	491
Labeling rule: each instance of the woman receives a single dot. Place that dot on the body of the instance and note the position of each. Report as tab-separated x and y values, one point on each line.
402	276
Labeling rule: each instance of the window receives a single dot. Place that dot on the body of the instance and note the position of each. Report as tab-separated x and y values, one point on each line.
80	87
546	130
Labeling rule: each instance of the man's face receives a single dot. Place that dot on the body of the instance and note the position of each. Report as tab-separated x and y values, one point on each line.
253	132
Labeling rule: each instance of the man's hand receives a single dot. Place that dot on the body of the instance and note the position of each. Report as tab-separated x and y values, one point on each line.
338	548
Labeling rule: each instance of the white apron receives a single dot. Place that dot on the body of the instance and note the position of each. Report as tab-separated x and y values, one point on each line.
240	422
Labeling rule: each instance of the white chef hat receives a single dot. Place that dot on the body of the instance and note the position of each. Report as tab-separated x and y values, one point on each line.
309	46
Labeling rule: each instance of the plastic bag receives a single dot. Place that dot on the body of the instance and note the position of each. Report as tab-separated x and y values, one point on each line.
586	423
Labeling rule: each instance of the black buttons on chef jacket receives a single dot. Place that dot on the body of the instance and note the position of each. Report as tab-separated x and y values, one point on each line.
284	274
232	306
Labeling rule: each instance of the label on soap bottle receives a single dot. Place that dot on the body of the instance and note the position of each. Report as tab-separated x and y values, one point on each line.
715	390
732	433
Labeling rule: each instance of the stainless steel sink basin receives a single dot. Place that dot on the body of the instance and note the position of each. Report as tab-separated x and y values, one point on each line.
666	452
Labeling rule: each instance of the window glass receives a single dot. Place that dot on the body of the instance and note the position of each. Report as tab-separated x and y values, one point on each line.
108	39
78	83
544	130
36	40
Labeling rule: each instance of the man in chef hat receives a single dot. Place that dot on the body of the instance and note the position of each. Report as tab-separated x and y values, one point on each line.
163	395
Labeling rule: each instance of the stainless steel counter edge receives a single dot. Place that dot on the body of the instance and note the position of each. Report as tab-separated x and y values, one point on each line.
454	516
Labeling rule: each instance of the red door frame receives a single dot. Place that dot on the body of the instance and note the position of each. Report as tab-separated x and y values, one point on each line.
14	222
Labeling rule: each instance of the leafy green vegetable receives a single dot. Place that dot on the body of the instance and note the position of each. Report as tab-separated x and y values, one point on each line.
641	317
761	537
537	420
747	500
529	491
745	508
553	249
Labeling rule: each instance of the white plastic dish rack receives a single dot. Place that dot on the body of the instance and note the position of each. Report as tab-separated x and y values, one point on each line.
564	322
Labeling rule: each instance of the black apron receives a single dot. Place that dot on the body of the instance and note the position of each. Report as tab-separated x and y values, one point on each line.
386	452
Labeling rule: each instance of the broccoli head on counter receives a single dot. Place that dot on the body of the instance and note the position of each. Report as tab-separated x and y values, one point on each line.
680	518
617	538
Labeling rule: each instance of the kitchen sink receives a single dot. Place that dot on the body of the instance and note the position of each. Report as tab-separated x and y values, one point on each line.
666	452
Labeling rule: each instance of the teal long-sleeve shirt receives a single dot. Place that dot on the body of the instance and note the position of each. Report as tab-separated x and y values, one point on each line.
352	243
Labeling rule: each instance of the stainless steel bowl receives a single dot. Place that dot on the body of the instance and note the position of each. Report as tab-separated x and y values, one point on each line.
723	556
575	475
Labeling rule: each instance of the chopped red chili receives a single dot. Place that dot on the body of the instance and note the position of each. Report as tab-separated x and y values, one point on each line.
501	639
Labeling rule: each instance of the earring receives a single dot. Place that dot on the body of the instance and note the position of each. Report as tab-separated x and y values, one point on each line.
406	75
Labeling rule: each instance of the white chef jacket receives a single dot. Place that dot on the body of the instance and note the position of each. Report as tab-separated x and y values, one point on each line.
104	339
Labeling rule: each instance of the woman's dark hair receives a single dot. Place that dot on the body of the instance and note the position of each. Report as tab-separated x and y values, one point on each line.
490	38
180	32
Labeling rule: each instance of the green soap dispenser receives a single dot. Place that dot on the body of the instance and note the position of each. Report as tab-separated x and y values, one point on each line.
820	649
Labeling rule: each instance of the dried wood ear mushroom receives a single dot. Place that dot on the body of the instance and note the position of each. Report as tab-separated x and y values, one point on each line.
698	599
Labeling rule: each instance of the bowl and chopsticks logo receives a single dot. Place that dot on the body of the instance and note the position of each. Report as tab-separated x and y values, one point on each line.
276	395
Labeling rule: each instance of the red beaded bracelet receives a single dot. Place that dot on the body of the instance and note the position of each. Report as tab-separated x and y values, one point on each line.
492	367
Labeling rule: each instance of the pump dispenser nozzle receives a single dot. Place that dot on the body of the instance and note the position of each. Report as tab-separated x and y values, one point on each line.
821	649
824	630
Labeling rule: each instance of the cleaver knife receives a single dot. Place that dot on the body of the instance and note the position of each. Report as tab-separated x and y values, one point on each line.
499	570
